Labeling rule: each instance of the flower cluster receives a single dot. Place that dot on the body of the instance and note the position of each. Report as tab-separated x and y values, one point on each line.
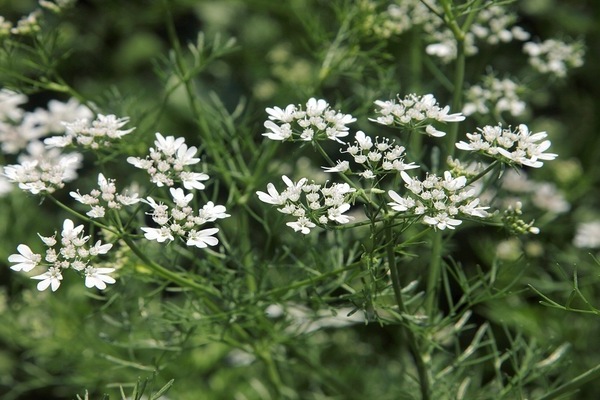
401	17
587	235
42	170
316	122
415	112
320	205
554	56
19	127
166	163
181	221
497	95
379	157
438	200
492	25
517	146
106	197
68	252
101	132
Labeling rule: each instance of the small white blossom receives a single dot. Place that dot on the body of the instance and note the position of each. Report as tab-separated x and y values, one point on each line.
50	278
97	277
203	238
587	235
26	260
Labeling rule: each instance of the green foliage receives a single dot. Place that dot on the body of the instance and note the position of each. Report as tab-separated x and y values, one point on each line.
384	307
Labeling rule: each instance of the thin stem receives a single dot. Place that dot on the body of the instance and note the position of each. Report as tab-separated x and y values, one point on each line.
424	383
167	274
433	277
457	87
81	216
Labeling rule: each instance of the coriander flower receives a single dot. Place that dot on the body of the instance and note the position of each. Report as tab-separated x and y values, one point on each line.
439	201
513	147
554	56
70	251
105	198
96	277
50	278
43	171
497	95
26	260
375	157
102	132
166	164
317	121
587	235
415	112
181	221
310	203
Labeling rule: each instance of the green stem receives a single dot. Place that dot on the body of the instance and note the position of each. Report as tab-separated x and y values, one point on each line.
168	274
81	216
413	344
433	277
457	88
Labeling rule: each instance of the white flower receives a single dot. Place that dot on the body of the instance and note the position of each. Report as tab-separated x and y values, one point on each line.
336	214
441	221
26	260
159	234
9	105
303	225
400	203
51	278
276	132
97	277
180	198
168	145
185	156
341	166
192	180
100	248
277	114
431	131
587	235
272	197
212	212
203	238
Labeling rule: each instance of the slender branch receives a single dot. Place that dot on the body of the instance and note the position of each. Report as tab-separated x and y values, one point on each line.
424	383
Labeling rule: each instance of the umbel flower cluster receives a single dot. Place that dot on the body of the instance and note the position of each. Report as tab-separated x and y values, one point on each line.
104	197
100	133
439	200
70	251
379	157
310	203
43	170
494	95
517	146
166	163
317	121
415	113
180	220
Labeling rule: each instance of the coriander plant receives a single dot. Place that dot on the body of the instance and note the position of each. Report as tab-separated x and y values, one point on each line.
297	200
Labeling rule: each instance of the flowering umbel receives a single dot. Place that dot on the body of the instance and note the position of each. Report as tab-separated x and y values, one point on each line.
415	112
310	203
70	251
317	121
180	220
